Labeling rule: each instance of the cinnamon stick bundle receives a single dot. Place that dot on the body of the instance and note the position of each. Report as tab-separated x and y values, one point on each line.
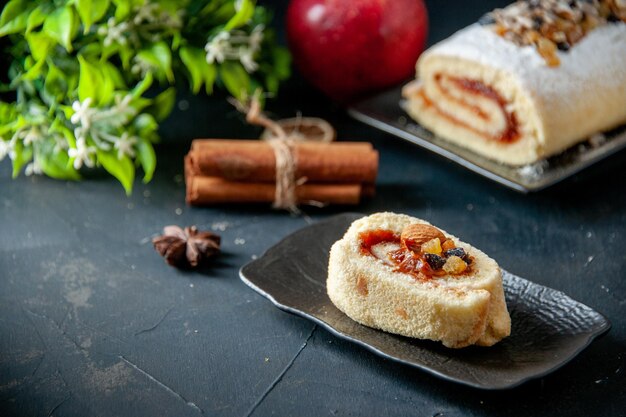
211	190
244	171
253	160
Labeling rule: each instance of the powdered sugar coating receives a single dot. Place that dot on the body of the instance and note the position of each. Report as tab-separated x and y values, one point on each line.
598	60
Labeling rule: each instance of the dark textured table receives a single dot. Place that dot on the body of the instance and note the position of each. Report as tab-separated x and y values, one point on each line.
93	323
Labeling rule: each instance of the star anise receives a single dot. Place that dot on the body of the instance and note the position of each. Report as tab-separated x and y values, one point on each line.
186	247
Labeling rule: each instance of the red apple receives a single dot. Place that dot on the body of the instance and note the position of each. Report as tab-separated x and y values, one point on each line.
347	48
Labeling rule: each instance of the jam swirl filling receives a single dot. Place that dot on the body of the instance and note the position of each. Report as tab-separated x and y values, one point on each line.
465	87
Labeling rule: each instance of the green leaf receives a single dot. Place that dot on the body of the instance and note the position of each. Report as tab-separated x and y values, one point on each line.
282	62
163	104
55	164
164	56
122	169
61	26
177	38
92	50
39	44
7	114
159	56
126	55
145	125
59	126
210	72
90	11
67	111
202	8
89	82
111	71
14	17
14	25
194	59
235	79
222	14
22	156
147	158
55	83
243	16
141	103
12	9
199	70
271	83
94	83
107	90
34	70
123	8
142	86
35	19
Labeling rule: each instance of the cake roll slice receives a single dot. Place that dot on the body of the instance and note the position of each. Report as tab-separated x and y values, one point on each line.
402	275
530	81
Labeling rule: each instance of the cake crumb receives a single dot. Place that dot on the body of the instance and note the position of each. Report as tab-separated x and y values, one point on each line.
533	171
220	226
597	140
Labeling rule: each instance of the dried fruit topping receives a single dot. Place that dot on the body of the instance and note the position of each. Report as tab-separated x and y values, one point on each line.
434	261
447	245
454	265
415	235
553	24
460	252
432	246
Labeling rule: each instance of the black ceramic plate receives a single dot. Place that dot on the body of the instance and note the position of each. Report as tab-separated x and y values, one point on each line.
548	327
384	112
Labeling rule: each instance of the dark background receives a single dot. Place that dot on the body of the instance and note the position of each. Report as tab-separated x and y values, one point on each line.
93	323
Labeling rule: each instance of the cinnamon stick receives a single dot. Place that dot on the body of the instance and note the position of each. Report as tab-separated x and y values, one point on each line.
253	160
203	190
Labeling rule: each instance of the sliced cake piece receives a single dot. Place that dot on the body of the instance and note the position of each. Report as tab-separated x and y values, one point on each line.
399	274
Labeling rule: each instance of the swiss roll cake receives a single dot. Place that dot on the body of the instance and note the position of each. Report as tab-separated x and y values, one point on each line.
402	275
528	81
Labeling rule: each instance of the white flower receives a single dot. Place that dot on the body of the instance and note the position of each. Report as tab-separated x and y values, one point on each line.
80	133
146	13
141	67
83	114
5	148
113	33
33	168
60	144
121	104
81	154
124	145
247	59
217	48
29	135
256	38
32	135
122	111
